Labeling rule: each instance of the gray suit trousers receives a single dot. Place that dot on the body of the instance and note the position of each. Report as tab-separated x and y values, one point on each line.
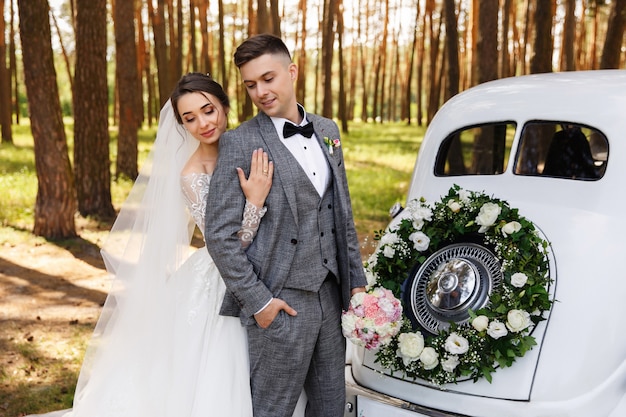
288	354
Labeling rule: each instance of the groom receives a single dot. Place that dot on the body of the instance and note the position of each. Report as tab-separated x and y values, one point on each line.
304	264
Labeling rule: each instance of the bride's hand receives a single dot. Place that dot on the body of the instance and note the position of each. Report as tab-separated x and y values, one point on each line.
257	186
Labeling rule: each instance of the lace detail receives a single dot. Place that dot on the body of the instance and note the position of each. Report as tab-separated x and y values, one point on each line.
195	188
252	216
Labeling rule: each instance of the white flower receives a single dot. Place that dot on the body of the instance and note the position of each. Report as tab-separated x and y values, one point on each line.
422	212
390	238
348	324
357	299
454	206
465	196
410	346
429	358
496	329
518	279
372	260
480	323
371	277
420	215
487	216
420	241
418	224
456	344
510	228
389	251
450	363
517	320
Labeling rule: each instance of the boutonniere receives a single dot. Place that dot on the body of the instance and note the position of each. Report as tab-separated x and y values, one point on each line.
331	144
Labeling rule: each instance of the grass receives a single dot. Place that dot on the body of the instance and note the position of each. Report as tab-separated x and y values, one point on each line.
379	162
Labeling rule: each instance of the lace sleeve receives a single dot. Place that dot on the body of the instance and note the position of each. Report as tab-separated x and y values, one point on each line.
252	216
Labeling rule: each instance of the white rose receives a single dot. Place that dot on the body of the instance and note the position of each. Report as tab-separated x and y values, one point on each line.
517	320
389	251
454	206
510	228
410	346
418	224
456	344
450	363
389	239
429	358
496	329
487	216
424	213
464	196
480	323
518	279
420	241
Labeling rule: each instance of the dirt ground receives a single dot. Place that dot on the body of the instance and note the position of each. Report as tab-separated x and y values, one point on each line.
50	299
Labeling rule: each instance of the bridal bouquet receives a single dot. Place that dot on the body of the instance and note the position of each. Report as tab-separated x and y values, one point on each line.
373	318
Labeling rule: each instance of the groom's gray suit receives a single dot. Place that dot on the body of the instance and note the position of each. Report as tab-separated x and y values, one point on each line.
306	252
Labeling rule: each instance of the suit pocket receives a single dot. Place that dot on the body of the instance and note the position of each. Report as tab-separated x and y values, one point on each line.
279	328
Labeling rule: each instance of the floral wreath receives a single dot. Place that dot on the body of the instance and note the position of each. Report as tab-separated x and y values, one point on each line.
494	335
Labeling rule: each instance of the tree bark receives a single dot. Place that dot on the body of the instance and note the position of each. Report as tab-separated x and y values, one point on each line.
328	40
5	86
160	50
341	113
568	61
487	44
91	126
611	53
127	87
452	49
55	205
541	60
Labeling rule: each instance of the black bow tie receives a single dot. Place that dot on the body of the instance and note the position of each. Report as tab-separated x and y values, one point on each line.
290	129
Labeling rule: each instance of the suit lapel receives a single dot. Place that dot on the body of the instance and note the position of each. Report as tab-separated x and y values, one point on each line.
283	161
320	133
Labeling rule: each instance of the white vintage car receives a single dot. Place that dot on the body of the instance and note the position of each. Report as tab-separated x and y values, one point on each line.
551	149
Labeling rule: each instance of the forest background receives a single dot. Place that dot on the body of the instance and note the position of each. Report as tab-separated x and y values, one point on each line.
112	63
82	82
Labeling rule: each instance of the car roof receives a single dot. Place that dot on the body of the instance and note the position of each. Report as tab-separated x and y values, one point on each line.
588	96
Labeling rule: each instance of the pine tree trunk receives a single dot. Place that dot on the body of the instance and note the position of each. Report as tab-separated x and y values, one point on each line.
611	53
91	125
127	85
55	205
5	86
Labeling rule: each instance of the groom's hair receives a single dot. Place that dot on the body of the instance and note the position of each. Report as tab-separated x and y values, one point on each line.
258	45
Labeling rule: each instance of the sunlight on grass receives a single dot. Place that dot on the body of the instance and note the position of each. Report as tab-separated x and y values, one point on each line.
379	162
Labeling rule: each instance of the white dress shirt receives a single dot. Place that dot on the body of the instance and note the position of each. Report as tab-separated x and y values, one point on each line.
307	152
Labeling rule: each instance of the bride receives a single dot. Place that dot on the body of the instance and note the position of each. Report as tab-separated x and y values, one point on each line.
160	347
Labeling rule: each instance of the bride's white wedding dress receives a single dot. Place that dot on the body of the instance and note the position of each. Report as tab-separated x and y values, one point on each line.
178	358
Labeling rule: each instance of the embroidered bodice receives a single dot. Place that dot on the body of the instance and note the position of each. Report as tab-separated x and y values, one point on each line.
195	187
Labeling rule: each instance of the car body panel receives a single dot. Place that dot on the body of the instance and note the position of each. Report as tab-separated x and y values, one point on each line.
579	366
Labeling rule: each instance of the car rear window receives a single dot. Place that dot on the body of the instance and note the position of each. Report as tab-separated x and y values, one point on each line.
557	149
562	150
476	150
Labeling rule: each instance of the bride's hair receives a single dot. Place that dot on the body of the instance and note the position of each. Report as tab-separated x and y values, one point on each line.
195	82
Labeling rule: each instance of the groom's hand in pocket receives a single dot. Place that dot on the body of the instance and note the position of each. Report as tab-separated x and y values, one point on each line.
266	316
